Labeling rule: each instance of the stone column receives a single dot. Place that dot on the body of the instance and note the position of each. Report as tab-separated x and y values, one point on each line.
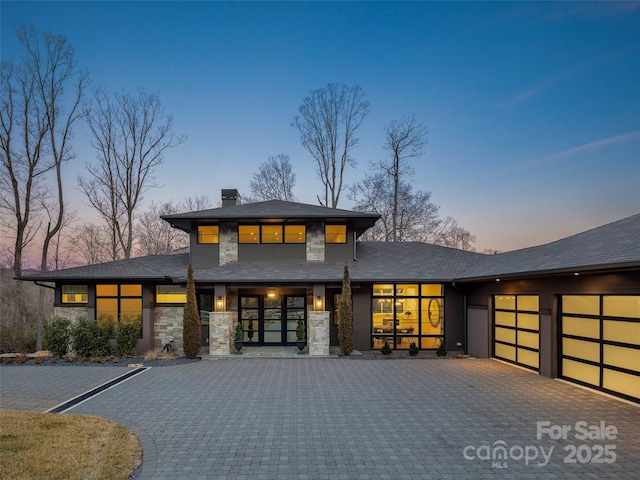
221	333
318	335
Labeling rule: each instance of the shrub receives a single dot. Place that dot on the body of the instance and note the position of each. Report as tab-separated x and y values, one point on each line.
386	349
301	333
345	313
88	339
15	339
191	332
239	335
413	349
150	355
127	335
56	336
442	349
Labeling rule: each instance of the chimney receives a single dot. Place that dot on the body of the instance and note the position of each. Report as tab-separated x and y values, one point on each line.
230	196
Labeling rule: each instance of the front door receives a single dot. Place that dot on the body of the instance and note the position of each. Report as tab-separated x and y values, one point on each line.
205	305
271	320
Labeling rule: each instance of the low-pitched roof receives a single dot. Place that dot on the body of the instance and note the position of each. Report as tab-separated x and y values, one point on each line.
611	246
273	210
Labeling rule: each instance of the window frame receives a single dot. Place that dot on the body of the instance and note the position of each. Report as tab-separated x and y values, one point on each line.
337	234
260	235
84	294
203	236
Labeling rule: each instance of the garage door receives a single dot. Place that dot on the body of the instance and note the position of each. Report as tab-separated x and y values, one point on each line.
516	330
600	342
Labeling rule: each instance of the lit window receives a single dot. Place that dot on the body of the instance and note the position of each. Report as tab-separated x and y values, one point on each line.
249	234
208	234
271	233
74	294
295	234
335	233
171	294
119	304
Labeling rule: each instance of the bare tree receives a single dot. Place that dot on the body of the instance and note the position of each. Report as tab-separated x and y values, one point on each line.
404	139
415	215
91	243
448	233
274	180
328	121
130	133
194	204
156	236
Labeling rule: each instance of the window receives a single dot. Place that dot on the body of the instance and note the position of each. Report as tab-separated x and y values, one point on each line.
404	313
208	234
295	234
119	303
249	234
335	233
74	294
171	294
272	234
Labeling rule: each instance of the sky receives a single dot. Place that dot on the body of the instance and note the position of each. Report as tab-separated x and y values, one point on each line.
532	109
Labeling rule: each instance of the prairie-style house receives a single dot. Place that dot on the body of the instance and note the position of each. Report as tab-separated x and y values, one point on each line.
568	309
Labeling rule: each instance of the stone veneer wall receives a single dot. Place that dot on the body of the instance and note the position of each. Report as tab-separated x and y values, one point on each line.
71	313
221	332
318	338
315	242
167	326
228	243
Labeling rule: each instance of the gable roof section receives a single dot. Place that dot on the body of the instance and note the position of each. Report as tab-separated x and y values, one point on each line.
272	210
615	245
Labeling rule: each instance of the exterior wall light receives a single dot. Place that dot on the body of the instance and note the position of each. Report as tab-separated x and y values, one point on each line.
271	293
220	304
319	303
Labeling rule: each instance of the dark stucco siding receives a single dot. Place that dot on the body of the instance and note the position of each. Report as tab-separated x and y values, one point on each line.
454	315
264	252
205	255
362	317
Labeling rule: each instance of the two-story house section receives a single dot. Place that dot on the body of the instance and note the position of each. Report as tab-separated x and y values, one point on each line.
569	308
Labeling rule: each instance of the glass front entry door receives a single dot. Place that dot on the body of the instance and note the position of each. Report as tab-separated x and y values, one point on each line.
205	305
271	320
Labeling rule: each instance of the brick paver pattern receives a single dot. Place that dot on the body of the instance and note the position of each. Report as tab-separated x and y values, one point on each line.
356	419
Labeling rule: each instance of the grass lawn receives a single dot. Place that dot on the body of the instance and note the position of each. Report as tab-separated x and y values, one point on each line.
49	445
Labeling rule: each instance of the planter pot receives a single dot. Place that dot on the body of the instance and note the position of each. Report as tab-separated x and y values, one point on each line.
238	346
301	344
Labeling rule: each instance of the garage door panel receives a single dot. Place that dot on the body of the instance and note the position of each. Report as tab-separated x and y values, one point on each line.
621	382
528	357
581	349
506	352
581	372
622	357
622	331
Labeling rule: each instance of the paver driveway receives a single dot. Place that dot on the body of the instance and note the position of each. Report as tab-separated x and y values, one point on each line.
358	419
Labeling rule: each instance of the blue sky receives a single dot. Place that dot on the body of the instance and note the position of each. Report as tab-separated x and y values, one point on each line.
533	109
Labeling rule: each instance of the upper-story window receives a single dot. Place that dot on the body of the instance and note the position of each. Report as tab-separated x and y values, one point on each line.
295	234
249	234
272	234
208	234
335	234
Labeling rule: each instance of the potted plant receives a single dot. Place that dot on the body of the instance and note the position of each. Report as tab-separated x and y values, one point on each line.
442	349
413	349
238	339
301	336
